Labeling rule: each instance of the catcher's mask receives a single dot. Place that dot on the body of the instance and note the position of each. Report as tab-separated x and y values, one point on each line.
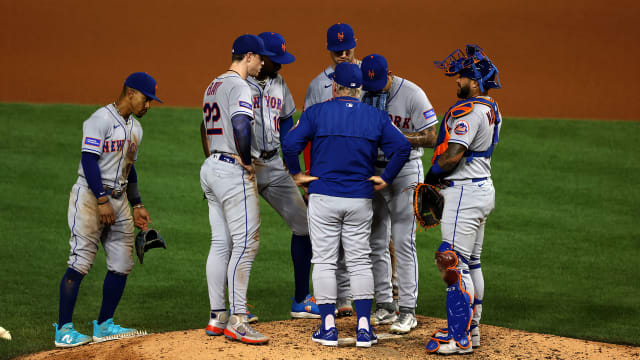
475	65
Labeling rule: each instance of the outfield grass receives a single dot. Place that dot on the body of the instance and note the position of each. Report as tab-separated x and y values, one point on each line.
561	249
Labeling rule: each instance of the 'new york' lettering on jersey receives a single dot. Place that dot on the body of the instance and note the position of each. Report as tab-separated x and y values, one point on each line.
115	140
409	110
272	102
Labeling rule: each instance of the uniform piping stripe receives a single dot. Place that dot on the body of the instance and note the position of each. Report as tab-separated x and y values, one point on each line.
396	93
456	223
413	243
246	230
73	227
115	180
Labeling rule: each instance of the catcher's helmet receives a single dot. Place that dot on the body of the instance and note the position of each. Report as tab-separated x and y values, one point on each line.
475	65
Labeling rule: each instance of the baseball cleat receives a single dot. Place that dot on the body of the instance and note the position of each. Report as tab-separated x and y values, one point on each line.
67	336
474	330
326	337
405	323
344	308
366	338
251	318
383	315
307	309
110	331
217	324
238	328
452	347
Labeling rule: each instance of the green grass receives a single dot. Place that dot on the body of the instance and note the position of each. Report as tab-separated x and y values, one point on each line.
561	249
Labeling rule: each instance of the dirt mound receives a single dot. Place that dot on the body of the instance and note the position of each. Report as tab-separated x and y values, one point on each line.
292	340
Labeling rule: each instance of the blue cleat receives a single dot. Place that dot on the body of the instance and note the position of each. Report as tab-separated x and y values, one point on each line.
366	338
110	331
67	336
326	337
307	309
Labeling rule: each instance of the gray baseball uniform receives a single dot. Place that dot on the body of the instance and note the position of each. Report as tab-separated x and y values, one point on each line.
234	212
115	140
320	89
410	111
471	197
272	101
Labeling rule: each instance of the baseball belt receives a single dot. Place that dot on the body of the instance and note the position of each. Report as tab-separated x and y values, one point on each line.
115	193
266	155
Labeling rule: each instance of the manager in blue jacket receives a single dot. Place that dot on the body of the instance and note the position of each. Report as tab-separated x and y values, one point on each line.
345	135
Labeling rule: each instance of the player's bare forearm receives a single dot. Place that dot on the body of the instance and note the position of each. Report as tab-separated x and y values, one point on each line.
303	180
425	138
451	157
205	141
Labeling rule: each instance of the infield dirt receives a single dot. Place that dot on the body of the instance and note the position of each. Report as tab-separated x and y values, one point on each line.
291	339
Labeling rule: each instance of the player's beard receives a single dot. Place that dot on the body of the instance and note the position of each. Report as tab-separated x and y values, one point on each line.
271	73
463	91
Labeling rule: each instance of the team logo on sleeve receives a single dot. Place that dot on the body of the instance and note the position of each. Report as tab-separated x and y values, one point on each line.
429	114
245	104
462	127
92	141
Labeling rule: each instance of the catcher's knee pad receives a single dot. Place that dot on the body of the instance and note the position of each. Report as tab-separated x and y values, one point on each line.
447	260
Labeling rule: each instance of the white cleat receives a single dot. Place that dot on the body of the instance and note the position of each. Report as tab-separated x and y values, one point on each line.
404	324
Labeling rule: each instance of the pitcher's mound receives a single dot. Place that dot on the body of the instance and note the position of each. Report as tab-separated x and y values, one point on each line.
291	339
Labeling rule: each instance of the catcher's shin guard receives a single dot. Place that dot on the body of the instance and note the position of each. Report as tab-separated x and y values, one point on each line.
459	315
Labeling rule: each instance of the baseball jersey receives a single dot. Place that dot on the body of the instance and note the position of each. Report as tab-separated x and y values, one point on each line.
410	110
227	95
474	130
320	89
115	140
271	102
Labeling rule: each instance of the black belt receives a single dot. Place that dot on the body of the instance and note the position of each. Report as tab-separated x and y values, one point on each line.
266	155
116	194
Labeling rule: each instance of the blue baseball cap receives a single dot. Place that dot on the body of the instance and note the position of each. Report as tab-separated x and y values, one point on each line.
347	74
340	37
275	43
375	72
144	83
249	44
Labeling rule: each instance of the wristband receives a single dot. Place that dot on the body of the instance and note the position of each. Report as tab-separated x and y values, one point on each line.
436	169
138	206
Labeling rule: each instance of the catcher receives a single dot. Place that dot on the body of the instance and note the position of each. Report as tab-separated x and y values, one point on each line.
462	168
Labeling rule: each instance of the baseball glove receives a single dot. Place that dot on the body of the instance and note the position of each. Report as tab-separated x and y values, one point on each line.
148	239
427	205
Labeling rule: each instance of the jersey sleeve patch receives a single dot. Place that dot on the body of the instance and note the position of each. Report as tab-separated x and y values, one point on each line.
245	104
461	127
92	141
429	114
462	109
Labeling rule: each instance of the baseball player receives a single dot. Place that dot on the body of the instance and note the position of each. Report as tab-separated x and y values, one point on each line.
227	178
462	165
99	210
410	111
341	43
345	135
273	109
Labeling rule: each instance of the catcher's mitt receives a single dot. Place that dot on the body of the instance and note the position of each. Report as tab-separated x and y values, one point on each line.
146	240
427	205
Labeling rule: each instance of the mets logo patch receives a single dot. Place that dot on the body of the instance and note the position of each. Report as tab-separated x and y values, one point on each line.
245	104
462	127
92	141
